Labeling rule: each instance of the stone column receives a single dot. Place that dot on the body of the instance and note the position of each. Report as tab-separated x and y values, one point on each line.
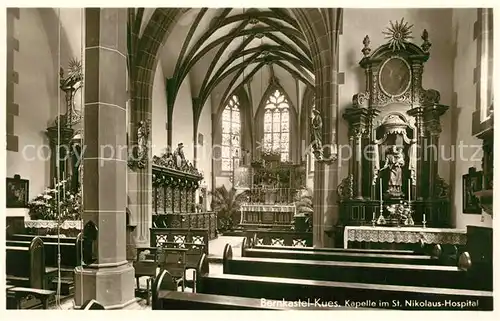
325	203
432	116
420	184
110	279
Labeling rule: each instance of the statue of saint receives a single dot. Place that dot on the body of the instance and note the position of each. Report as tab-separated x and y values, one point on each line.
142	140
316	133
395	161
179	157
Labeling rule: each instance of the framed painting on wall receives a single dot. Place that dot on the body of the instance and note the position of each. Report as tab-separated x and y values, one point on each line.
17	192
471	182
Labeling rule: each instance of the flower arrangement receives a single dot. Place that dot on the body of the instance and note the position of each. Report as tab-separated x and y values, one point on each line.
57	203
303	220
401	213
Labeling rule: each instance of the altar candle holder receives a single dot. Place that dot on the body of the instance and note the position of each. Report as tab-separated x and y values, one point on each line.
424	222
373	219
381	218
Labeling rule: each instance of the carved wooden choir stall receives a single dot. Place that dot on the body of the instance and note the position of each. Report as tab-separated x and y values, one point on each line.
175	181
394	129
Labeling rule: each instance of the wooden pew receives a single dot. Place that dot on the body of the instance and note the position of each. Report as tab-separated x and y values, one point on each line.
280	237
346	294
311	254
45	238
198	236
249	243
361	272
25	265
69	260
69	256
350	294
17	294
174	300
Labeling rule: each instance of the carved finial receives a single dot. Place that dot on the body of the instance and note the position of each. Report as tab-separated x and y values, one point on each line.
398	34
366	49
425	37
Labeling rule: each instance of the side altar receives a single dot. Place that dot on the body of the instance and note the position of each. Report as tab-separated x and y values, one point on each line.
394	129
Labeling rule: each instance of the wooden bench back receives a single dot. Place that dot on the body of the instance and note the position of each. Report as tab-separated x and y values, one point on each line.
27	261
173	260
45	238
180	236
280	238
362	272
409	297
69	257
287	253
249	243
163	281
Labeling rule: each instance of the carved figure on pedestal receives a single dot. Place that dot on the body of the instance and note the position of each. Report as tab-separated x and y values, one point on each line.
140	158
142	142
394	162
179	157
316	133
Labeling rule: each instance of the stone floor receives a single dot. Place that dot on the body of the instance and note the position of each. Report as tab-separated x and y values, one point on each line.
216	248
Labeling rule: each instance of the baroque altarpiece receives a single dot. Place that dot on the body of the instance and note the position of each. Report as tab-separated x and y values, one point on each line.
394	129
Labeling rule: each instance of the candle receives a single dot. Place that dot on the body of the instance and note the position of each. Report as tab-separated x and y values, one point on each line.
424	218
380	181
373	217
409	190
64	185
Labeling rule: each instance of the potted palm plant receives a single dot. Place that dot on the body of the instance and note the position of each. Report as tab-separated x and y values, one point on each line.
226	203
302	220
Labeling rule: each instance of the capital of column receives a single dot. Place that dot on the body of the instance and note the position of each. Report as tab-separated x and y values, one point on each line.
432	115
60	135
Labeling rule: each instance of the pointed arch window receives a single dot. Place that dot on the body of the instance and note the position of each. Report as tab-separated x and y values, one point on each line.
277	125
231	134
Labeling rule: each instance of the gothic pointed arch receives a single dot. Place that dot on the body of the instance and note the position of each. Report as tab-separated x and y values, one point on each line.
276	124
232	133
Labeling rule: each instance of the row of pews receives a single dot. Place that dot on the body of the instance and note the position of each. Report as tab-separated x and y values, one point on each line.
270	277
32	269
177	250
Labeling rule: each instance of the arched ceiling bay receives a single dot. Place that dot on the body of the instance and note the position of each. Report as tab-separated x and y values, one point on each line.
221	49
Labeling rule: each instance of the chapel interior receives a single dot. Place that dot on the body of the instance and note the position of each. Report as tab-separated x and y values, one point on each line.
249	158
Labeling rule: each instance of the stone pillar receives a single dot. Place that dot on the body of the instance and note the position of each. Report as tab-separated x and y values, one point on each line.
420	184
432	116
324	203
110	279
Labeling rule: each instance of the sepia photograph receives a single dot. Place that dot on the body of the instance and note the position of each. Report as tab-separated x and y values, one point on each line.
240	158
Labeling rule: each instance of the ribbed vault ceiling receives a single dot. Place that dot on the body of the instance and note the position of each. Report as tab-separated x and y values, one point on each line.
228	47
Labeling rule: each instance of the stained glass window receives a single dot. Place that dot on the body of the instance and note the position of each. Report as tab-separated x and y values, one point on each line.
231	134
277	125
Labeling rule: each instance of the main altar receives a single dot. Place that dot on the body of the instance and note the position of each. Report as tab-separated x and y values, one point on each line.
394	129
271	197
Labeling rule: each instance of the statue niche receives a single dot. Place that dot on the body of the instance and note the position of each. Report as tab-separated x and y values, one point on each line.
396	168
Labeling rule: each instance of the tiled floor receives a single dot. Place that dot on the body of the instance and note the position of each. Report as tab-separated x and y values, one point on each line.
216	248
